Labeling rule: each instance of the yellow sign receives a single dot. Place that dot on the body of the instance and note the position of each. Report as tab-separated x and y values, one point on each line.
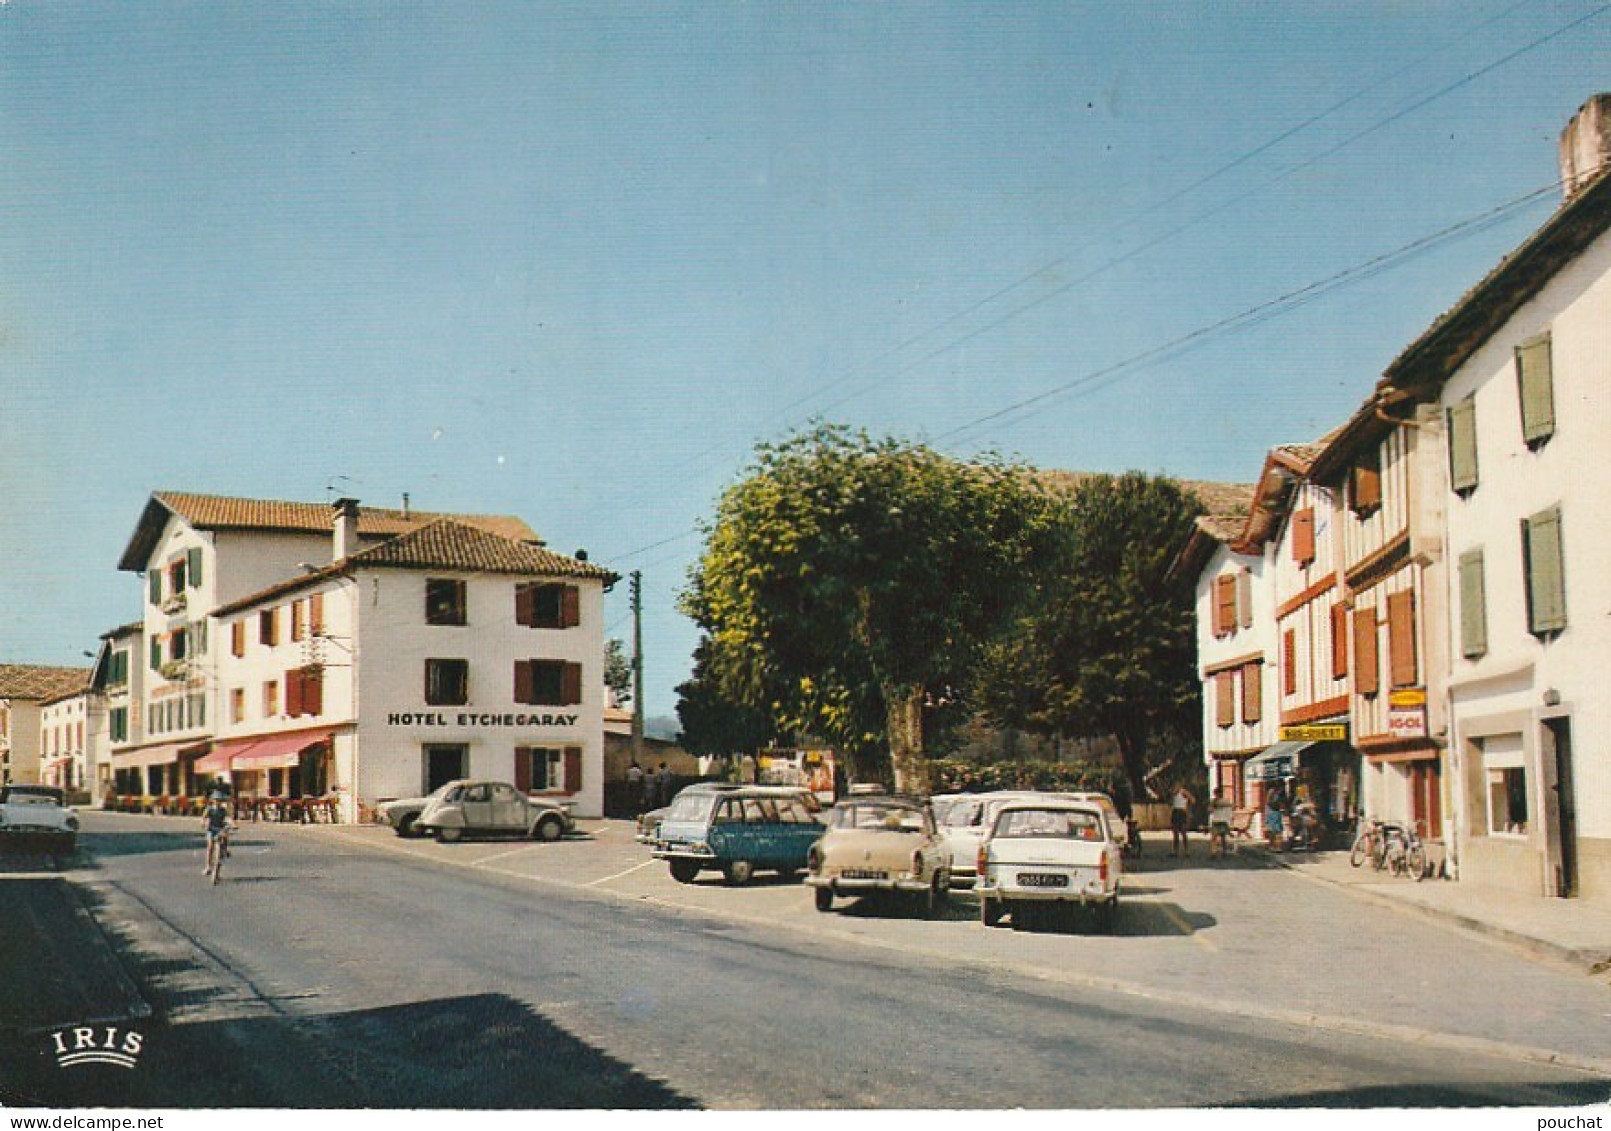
1408	697
1319	732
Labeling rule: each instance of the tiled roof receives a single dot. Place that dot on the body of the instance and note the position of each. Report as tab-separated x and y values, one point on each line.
445	544
36	681
1216	498
451	544
216	512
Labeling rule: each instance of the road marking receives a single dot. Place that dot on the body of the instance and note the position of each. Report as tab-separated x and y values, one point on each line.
618	875
501	855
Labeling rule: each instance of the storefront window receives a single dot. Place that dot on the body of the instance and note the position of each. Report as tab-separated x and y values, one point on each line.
1507	801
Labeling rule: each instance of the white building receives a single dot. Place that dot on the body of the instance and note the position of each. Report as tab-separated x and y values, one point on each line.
25	689
1521	368
360	655
65	722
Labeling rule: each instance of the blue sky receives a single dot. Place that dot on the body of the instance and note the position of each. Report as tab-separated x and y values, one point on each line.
572	261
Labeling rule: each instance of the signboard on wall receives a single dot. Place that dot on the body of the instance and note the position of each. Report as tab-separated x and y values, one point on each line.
1316	732
1406	722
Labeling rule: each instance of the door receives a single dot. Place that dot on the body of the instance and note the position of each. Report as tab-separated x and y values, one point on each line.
508	810
444	762
1561	797
477	805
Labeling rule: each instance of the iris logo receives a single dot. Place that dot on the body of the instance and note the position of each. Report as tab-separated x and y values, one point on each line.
102	1045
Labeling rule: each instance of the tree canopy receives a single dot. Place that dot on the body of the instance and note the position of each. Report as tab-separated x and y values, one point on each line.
846	580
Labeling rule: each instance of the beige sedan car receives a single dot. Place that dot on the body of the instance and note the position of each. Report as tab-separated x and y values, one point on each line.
879	844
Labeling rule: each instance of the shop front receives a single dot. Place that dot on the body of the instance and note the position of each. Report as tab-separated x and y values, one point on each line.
277	777
1312	763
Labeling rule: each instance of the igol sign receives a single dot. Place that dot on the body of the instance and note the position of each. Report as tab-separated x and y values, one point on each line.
471	719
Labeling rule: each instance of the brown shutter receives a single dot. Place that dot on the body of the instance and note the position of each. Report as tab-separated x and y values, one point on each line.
237	638
573	769
313	691
1224	699
523	682
526	604
1366	679
570	607
1289	663
1224	605
1339	641
316	613
299	626
293	692
1401	638
1303	536
523	769
570	684
1367	484
1252	692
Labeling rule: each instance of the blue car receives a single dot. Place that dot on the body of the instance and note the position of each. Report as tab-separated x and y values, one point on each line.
739	832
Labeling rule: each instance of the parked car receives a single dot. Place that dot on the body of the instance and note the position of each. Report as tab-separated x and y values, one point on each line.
880	844
965	819
37	814
737	831
649	822
478	807
1049	852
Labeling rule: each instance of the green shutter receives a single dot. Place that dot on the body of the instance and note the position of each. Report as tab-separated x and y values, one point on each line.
193	566
1546	575
156	653
154	582
1535	384
1463	445
1473	606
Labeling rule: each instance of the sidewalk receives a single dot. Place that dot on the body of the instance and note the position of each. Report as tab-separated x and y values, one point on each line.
1564	930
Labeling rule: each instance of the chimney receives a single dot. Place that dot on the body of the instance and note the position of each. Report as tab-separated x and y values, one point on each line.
1586	145
344	518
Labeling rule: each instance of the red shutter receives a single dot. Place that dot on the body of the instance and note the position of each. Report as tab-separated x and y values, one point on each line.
1339	642
1401	638
523	769
570	607
570	685
1252	692
1365	675
1224	699
313	691
293	692
525	604
573	769
523	682
1303	536
1289	663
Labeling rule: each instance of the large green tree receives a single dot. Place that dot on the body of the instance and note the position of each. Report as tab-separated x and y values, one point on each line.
1110	649
847	581
712	722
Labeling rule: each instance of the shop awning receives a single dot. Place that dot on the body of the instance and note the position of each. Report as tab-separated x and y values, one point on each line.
271	752
1275	762
148	756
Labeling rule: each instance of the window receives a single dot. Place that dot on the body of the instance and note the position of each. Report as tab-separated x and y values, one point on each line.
447	682
1365	483
119	724
271	698
1463	447
444	601
1473	606
545	605
177	572
304	691
1303	536
237	704
1224	698
543	769
268	627
1545	572
237	638
1535	389
1401	660
1224	604
316	614
117	669
1366	677
1502	762
549	682
444	762
178	644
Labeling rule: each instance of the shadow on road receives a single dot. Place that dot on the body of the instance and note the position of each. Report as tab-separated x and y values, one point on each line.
477	1052
1495	1093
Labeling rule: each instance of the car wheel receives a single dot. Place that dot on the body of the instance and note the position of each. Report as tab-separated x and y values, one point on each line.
739	872
449	835
548	828
990	912
405	827
684	871
825	899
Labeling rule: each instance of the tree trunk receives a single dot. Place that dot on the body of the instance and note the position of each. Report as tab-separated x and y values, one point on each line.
911	769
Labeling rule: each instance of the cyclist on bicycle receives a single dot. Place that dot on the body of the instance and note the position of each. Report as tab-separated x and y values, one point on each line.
216	823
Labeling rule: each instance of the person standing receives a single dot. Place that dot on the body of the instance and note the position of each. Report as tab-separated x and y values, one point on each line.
1180	803
634	777
662	784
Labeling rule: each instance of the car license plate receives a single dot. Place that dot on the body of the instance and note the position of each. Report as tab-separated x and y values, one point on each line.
864	874
1042	880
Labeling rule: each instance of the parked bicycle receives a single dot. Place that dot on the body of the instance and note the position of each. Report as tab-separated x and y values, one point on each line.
1370	844
1391	847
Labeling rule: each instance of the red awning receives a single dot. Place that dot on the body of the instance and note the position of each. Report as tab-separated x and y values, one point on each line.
271	751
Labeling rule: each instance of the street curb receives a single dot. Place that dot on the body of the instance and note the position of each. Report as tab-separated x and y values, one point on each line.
1577	958
1431	1038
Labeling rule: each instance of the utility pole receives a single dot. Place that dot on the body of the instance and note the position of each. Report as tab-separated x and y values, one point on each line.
637	667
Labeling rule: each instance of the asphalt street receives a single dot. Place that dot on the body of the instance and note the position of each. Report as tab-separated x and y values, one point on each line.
338	967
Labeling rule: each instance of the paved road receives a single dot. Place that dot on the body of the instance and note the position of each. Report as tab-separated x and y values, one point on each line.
343	968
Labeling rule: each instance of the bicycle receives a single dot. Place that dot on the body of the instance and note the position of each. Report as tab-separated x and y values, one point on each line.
217	853
1370	844
1413	860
